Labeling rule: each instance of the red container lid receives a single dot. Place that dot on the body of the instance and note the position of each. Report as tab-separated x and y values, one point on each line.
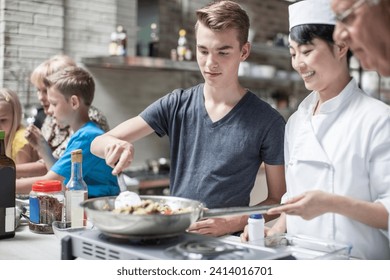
47	186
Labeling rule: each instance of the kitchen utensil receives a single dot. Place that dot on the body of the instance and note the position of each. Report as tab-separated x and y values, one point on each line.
126	183
99	212
121	182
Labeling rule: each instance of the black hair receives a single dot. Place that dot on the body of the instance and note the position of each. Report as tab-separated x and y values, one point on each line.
306	33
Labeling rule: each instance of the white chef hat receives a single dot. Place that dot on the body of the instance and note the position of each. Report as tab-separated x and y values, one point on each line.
311	12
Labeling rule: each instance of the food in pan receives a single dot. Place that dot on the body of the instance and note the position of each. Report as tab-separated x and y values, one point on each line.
147	207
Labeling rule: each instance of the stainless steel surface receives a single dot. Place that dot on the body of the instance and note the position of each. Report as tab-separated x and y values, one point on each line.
303	247
155	225
95	245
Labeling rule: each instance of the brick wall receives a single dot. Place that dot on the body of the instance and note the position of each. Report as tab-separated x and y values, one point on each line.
33	30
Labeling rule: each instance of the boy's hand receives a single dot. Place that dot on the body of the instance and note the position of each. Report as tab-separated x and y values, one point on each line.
119	155
34	137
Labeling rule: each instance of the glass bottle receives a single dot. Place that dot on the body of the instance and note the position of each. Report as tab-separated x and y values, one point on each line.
121	41
112	47
7	192
154	40
76	191
181	45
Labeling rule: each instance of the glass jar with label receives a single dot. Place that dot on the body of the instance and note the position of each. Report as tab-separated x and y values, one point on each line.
46	202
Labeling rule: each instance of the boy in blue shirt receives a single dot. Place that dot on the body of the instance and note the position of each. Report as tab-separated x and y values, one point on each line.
70	94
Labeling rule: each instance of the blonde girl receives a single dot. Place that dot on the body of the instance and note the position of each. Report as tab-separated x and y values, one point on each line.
17	146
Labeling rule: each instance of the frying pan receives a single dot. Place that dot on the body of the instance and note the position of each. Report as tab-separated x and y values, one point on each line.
98	210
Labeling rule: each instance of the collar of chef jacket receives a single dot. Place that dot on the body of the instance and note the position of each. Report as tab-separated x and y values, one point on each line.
330	105
306	141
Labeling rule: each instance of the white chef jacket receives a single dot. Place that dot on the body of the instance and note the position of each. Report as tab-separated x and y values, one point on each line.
344	150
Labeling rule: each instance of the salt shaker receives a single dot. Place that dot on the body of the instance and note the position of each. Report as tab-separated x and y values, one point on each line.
256	227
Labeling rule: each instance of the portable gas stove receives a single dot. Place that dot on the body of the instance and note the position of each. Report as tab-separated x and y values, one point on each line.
92	244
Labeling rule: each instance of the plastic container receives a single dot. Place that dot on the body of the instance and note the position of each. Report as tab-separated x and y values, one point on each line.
46	202
255	227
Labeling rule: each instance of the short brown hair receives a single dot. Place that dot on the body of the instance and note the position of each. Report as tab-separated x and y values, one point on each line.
73	81
222	15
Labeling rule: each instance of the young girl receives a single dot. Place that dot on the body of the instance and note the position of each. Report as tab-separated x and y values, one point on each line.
17	146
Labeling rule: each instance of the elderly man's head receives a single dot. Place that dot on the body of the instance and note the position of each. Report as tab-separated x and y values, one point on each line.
365	26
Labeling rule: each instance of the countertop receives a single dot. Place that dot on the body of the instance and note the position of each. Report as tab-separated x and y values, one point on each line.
27	245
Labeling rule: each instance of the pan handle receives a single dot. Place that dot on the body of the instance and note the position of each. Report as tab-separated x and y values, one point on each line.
230	211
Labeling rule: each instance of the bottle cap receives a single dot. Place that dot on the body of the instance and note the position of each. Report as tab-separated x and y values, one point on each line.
182	32
77	155
256	216
2	134
119	28
47	186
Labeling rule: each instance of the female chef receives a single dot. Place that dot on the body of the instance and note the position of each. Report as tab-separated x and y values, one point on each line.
337	145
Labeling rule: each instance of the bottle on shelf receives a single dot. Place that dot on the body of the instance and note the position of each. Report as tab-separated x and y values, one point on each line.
154	40
256	228
76	191
121	41
113	46
7	192
182	45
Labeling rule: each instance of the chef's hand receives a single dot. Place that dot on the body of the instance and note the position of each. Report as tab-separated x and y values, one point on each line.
308	205
119	155
219	226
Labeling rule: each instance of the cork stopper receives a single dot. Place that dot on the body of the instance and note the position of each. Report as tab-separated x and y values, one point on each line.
77	155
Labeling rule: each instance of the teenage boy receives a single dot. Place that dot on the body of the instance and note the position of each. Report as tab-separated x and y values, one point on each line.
219	131
70	93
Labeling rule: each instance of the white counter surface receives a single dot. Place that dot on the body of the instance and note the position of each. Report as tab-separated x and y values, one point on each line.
27	245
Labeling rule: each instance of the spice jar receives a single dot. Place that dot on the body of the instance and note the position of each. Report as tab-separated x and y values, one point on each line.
46	202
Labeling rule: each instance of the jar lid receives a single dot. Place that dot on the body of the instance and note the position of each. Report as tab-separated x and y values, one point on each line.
47	186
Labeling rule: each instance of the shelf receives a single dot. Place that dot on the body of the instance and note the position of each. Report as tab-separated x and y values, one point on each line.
135	62
277	56
264	49
267	82
271	55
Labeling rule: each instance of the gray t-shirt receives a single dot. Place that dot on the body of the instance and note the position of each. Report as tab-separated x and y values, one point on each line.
216	163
